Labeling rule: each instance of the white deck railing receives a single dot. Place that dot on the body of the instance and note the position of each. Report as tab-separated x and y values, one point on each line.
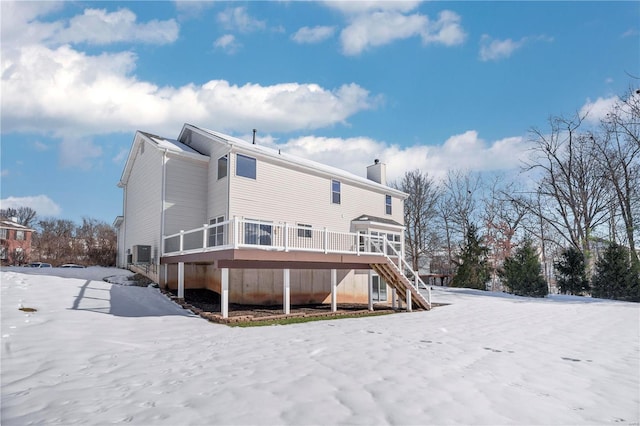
243	233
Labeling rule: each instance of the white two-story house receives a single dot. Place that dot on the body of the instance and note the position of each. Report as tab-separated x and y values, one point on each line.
259	226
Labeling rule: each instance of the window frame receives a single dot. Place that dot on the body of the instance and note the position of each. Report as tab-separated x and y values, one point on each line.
243	163
216	233
388	204
258	232
4	234
304	230
20	235
226	166
336	195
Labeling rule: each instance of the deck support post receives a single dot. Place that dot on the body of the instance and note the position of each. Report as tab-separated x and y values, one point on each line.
286	291
393	298
370	290
224	292
408	300
334	285
180	280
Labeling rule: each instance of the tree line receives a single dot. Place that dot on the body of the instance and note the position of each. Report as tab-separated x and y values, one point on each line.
569	222
60	241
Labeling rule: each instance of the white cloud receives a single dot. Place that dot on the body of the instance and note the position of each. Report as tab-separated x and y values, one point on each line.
227	43
598	109
465	152
494	49
95	26
41	147
4	173
78	153
42	204
237	18
364	6
69	93
446	30
382	27
189	9
313	35
121	156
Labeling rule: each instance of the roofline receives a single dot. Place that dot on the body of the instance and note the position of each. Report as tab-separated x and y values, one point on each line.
141	137
302	163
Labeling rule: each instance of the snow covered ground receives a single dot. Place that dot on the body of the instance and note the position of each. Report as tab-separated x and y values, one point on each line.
97	353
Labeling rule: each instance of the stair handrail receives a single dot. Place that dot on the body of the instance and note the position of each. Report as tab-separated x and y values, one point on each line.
417	281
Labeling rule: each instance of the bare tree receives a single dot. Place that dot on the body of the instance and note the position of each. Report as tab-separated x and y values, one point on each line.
457	209
54	240
26	216
419	214
618	147
502	216
95	243
575	196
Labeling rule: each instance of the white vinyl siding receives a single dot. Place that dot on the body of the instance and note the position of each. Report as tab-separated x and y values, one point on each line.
143	200
285	194
185	194
218	188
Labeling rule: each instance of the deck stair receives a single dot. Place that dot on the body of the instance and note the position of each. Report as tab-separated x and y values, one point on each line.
396	278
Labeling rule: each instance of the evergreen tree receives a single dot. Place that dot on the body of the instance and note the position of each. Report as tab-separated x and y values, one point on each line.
473	270
571	272
522	274
615	277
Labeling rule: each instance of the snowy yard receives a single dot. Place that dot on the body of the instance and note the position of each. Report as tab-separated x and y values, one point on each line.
96	353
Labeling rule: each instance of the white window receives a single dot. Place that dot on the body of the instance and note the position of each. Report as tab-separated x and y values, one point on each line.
223	164
304	231
3	234
20	235
245	166
335	192
258	233
3	253
216	233
387	204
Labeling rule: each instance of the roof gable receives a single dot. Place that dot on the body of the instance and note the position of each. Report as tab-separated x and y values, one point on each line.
161	144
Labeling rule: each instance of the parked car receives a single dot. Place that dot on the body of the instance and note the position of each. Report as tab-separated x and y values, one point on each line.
39	265
71	265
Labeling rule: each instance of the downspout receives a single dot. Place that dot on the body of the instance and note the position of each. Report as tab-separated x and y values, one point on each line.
124	263
229	192
164	194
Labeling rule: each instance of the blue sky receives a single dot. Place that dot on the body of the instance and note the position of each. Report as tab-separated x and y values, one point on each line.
429	85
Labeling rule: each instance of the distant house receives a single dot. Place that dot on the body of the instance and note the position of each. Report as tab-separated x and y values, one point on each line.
259	226
15	242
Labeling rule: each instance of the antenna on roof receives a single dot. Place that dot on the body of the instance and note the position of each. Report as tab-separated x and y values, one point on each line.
254	136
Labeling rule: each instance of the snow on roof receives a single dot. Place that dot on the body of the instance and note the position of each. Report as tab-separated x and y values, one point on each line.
7	223
301	162
170	144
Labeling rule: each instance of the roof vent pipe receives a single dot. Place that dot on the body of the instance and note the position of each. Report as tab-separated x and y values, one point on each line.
254	136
